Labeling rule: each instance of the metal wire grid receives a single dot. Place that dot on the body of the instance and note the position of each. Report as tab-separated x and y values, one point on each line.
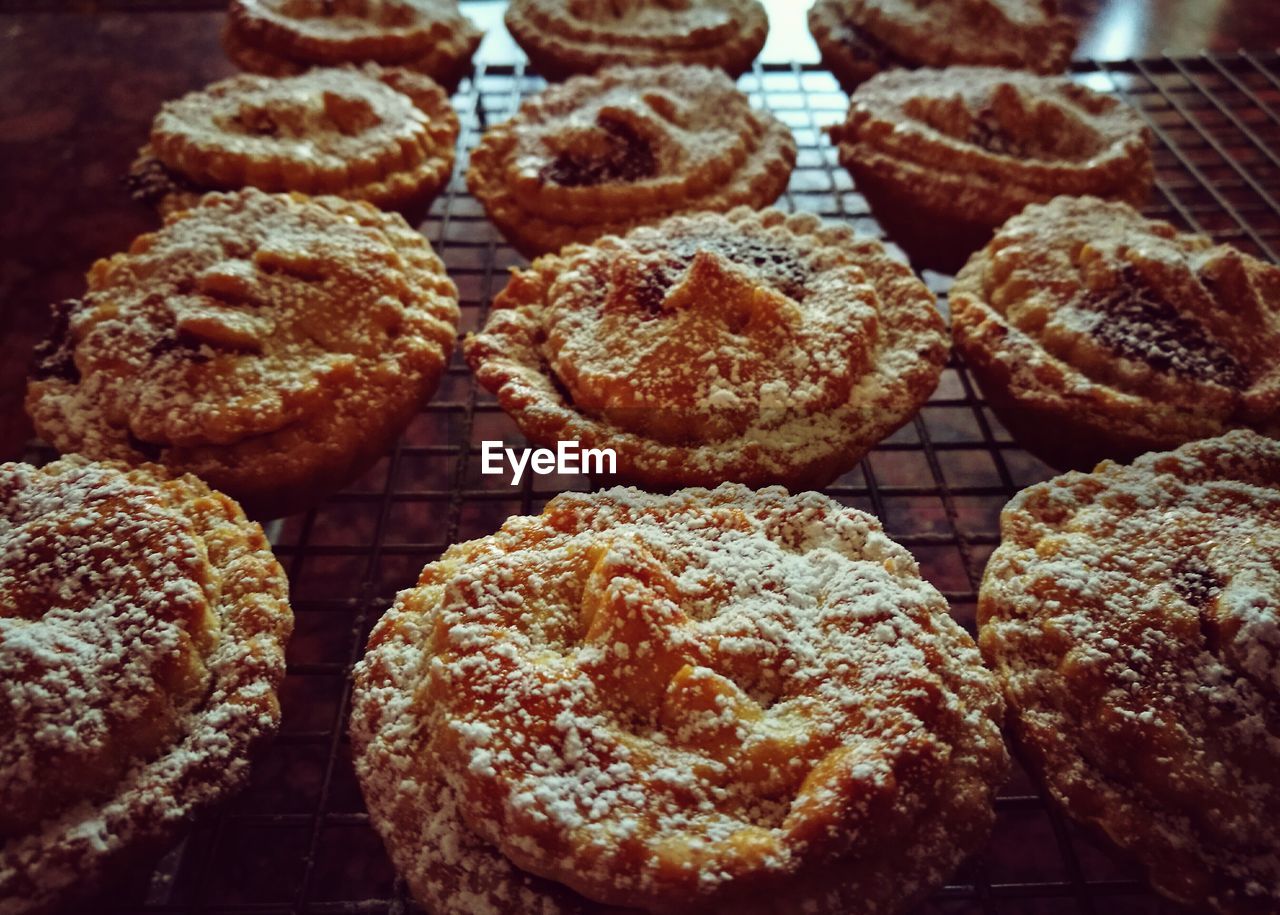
298	840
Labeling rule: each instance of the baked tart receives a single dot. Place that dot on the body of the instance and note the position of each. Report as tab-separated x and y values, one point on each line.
563	37
860	38
1132	614
385	135
944	157
283	37
275	345
1097	333
142	629
601	154
753	347
717	701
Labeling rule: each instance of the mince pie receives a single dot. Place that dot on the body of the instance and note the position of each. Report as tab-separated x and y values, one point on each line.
720	702
754	347
1097	333
142	629
944	157
282	37
859	38
601	154
273	344
1133	614
563	37
385	135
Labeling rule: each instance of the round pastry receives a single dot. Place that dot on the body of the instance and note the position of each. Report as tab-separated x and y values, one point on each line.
1097	333
601	154
717	701
382	135
944	157
282	37
1132	614
563	37
142	629
274	345
859	38
755	347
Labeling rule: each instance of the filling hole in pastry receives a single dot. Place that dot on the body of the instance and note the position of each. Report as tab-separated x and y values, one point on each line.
613	151
1135	322
1010	124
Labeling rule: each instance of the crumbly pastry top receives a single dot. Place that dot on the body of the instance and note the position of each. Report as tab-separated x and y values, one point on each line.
1133	614
579	36
250	321
1024	34
278	36
986	139
677	702
142	622
603	153
372	133
748	346
1086	305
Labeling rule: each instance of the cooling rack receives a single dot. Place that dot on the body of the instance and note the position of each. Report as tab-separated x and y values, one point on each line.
298	840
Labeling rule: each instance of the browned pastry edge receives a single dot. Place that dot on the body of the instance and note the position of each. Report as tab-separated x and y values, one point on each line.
447	64
558	58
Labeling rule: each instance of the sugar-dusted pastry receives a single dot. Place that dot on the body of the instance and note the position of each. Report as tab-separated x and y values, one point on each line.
944	157
1097	333
273	344
385	135
563	37
726	702
281	37
1132	614
142	630
859	38
601	154
755	347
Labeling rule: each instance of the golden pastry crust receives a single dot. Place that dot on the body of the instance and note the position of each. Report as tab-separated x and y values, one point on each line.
944	157
275	345
286	37
385	135
1096	333
563	37
859	38
1132	614
714	701
142	629
629	146
754	347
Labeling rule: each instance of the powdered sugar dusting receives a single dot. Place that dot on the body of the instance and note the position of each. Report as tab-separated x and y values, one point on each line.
128	689
752	346
1133	614
648	699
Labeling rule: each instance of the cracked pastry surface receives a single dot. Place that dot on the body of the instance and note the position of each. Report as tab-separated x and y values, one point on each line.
274	345
142	630
284	37
1133	616
944	157
713	701
1098	333
754	347
601	154
385	135
859	38
564	37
